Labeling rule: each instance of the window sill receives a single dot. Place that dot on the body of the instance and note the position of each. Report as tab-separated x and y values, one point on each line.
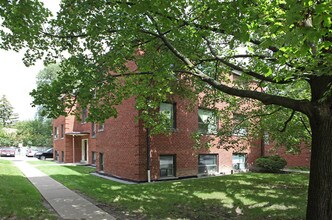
202	175
169	178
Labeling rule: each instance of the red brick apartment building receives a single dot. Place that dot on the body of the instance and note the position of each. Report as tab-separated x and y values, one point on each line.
119	147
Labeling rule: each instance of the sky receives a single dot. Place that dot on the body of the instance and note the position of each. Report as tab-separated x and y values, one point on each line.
17	80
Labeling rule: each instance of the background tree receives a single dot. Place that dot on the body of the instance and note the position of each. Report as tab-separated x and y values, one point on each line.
180	44
7	115
7	138
45	77
35	132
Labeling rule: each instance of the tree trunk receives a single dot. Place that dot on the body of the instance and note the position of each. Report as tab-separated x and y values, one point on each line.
320	183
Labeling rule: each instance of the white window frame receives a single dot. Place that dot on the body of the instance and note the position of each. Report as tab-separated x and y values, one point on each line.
168	110
208	119
239	164
56	133
207	169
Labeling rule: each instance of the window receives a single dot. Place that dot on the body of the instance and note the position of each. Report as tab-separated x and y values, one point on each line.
56	155
240	128
101	162
56	134
93	129
84	115
266	138
207	121
62	131
101	127
239	161
167	166
207	164
168	110
94	158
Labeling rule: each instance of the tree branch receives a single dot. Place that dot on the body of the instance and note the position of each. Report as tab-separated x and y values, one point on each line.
288	120
250	56
248	72
305	126
259	115
267	99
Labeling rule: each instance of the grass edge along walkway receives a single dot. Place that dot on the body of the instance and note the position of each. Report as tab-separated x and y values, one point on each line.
67	203
240	196
19	199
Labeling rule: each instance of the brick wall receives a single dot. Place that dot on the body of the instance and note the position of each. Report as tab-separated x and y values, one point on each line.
301	158
123	143
180	144
120	143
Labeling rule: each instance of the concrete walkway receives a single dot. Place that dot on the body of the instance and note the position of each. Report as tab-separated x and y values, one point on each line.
68	204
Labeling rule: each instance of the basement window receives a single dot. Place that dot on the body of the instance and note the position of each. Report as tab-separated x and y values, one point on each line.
239	161
207	164
167	166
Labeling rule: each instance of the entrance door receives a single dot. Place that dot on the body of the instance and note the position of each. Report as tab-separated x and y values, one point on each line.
84	150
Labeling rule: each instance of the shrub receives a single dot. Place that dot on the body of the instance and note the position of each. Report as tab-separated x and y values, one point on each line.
271	164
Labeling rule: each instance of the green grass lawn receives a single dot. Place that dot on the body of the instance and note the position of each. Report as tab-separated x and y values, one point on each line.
240	196
19	199
42	162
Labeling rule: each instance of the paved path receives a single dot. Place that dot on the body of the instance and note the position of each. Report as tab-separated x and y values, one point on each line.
68	204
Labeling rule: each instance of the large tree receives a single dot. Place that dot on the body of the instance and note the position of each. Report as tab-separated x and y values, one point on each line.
7	137
283	46
45	77
7	115
37	132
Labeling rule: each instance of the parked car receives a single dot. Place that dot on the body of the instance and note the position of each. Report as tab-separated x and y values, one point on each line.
42	155
30	152
7	152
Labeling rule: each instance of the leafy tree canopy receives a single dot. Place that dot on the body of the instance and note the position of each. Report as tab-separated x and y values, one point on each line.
45	78
34	132
187	47
7	138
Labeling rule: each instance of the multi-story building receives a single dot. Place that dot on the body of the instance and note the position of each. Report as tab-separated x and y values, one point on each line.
122	148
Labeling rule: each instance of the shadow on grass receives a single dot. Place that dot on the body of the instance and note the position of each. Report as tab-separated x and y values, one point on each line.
19	199
242	196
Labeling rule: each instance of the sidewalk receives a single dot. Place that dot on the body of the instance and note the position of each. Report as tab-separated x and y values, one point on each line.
68	204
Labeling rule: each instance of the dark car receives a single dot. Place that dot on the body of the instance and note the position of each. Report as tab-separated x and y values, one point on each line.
42	155
7	152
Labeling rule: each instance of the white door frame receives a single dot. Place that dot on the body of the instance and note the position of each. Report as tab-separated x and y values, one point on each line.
83	151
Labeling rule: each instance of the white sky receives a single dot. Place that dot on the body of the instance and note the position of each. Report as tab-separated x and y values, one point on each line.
17	80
